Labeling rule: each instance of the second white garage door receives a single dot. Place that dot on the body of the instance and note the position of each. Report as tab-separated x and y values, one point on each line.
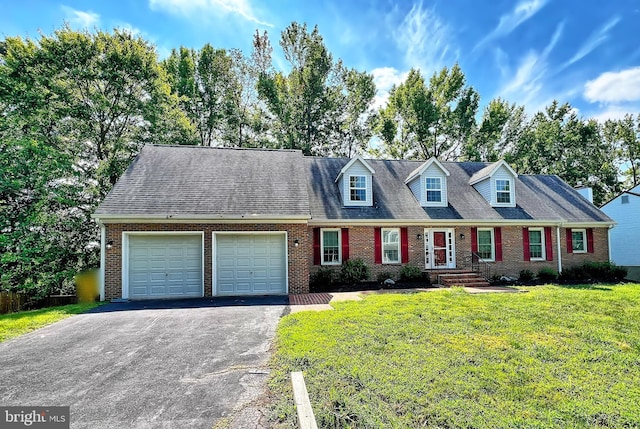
251	264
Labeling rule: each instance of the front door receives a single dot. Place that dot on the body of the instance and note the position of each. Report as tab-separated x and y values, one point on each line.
439	248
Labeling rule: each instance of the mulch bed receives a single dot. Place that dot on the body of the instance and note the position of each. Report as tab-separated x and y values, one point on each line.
376	286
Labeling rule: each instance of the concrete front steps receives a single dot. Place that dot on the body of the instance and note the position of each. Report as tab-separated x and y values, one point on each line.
464	278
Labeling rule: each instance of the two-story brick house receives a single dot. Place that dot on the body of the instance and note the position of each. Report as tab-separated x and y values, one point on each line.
198	221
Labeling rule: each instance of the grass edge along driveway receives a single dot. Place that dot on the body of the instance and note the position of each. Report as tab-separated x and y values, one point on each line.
16	324
553	357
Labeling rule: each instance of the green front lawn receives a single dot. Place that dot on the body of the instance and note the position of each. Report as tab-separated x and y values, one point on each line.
553	357
14	324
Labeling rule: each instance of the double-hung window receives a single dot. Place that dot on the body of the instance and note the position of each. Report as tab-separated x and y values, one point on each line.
434	189
536	244
503	191
358	188
579	240
486	244
330	247
390	245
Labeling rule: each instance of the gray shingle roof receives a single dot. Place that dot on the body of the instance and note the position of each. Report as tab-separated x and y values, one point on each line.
202	181
185	181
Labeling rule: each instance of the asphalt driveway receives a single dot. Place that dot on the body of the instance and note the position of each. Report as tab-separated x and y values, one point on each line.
163	364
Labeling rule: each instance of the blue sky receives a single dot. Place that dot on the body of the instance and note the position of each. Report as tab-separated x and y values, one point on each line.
529	52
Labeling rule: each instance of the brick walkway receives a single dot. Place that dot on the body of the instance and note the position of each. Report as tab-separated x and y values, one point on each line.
310	299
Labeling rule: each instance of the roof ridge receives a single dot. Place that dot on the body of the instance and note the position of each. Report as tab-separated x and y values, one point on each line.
257	149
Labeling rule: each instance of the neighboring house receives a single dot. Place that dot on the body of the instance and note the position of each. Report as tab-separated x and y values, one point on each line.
198	221
625	236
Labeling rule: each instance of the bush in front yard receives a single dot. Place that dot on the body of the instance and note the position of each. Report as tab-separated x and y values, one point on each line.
385	275
526	276
354	271
321	280
547	275
410	273
594	272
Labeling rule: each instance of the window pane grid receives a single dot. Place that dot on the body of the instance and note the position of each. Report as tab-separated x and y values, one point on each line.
485	244
577	240
330	247
434	189
358	188
503	191
535	244
390	246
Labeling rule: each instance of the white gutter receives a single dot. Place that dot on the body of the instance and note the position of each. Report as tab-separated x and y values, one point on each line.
103	258
559	249
123	218
453	222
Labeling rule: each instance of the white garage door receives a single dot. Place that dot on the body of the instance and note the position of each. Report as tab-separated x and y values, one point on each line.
248	264
165	266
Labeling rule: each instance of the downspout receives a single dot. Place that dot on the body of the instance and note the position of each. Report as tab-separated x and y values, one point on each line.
559	248
609	242
103	258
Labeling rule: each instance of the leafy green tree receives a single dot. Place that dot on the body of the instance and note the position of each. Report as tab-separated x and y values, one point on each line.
209	90
501	127
435	120
318	105
559	142
76	108
624	136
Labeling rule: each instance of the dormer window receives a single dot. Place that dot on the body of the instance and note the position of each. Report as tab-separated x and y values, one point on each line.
503	191
357	188
434	189
355	182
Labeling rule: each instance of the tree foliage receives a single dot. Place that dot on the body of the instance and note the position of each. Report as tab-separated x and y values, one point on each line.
76	109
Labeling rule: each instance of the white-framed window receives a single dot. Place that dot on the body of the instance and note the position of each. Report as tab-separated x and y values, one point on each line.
503	191
486	244
390	245
357	188
433	186
536	244
579	240
331	246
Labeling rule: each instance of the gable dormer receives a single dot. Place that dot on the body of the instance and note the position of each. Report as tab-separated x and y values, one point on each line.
429	184
497	184
355	183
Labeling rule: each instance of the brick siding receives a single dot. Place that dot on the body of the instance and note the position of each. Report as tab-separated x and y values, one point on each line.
361	245
298	257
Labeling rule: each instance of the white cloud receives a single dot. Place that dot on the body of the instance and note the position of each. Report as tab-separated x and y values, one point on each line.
595	40
82	19
385	78
614	87
528	82
613	113
510	21
426	40
222	8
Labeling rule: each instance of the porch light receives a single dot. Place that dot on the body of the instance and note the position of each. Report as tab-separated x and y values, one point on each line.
109	244
296	243
418	236
461	236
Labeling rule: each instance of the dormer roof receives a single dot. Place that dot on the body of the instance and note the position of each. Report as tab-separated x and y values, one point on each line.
350	163
489	170
422	168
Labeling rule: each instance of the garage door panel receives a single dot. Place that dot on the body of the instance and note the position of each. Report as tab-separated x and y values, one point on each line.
163	266
250	264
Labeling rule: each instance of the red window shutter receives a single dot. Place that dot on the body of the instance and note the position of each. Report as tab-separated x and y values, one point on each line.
590	240
497	232
525	244
316	246
548	244
345	244
377	245
569	241
404	245
474	239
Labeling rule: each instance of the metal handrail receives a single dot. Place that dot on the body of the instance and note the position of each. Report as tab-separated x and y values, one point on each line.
480	266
